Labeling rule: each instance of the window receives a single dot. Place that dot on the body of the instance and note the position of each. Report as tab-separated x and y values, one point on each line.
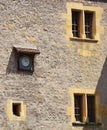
75	23
26	62
83	23
16	109
91	108
78	24
78	107
88	24
87	106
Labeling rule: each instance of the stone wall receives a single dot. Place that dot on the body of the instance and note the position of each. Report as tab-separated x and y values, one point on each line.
58	68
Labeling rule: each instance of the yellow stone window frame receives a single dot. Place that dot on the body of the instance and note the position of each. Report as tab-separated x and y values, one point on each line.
84	93
97	15
10	113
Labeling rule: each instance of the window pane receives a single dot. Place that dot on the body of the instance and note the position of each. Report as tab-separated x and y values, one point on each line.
91	108
75	23
88	24
78	107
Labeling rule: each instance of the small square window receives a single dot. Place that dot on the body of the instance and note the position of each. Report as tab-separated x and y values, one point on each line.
16	107
16	110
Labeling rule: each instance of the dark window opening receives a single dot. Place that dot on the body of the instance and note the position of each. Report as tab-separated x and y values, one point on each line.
91	108
75	23
88	24
78	107
16	109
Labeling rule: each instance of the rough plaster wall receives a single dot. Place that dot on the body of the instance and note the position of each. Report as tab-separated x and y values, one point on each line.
58	67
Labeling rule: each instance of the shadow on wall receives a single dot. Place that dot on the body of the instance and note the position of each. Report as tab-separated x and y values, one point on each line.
12	66
12	63
98	0
102	83
101	87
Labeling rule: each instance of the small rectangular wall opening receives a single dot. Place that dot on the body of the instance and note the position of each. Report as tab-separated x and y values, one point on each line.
16	109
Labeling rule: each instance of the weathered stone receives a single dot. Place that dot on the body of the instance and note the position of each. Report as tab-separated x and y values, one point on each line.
61	65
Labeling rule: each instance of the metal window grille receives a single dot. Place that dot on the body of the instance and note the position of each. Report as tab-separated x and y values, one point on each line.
78	107
88	24
75	23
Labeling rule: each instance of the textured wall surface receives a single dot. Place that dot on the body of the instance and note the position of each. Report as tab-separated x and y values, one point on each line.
59	66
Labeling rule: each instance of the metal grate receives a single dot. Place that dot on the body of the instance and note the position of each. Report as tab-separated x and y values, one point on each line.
88	24
78	107
75	23
16	109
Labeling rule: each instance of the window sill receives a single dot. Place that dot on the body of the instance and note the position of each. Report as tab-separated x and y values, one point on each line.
83	39
86	124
